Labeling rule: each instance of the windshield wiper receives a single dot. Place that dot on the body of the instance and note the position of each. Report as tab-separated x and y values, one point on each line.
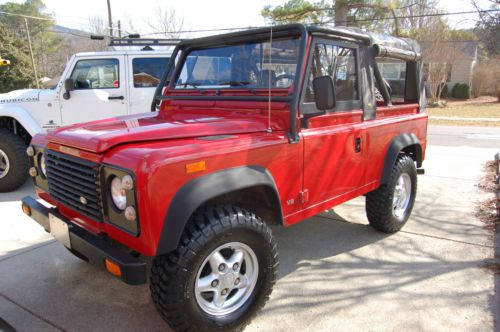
235	83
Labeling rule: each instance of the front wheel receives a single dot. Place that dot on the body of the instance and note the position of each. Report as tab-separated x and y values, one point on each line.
389	206
14	163
221	274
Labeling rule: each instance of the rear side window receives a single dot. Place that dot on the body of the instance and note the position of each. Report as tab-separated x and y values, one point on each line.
96	74
148	71
339	63
394	73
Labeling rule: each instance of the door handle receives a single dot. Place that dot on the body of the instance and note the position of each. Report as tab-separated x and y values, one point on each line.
357	145
116	97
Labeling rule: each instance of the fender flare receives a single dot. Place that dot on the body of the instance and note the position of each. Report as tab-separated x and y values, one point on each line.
20	115
200	190
395	147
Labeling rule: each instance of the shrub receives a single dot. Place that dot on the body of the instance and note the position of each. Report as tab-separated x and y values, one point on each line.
460	91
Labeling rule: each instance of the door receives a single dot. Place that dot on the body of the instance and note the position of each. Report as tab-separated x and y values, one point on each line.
147	73
100	90
334	161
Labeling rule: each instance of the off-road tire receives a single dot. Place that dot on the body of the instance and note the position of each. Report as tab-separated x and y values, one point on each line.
173	275
379	208
15	149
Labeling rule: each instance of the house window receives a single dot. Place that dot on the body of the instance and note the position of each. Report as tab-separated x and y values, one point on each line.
443	69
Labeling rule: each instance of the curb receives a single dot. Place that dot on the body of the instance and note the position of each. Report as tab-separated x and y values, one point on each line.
456	118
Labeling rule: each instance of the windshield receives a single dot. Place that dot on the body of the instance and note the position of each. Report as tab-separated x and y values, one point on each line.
249	65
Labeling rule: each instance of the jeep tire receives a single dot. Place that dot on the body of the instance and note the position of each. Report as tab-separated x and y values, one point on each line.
221	274
389	206
14	163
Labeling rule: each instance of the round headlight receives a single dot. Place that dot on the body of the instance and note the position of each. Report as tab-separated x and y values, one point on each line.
43	165
118	194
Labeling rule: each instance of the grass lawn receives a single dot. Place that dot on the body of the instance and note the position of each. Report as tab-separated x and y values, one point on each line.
482	110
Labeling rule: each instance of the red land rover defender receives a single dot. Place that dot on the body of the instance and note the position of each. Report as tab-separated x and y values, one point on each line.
248	129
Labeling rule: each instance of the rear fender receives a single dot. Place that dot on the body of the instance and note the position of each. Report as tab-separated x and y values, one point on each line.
403	143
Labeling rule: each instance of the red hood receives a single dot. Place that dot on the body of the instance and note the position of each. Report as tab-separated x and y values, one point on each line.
99	136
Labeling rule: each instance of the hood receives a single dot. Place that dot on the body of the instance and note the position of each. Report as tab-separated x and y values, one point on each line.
99	136
20	96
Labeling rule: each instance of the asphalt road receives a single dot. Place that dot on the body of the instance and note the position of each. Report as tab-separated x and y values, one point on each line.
479	137
336	273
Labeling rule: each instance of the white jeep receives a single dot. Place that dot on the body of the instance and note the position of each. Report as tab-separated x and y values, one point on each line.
93	86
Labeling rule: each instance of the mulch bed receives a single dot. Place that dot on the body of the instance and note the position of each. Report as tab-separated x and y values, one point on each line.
488	211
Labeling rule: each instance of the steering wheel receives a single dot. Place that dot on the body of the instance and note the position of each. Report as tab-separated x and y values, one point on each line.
284	76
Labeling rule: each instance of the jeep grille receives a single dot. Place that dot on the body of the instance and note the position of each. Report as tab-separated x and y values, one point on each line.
75	183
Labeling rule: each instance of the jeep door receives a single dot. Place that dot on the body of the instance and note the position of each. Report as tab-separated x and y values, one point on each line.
333	142
144	77
99	90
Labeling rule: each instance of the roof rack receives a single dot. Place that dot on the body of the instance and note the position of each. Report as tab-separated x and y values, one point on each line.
143	42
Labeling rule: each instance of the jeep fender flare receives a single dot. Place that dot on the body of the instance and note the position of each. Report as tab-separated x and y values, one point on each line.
20	115
398	144
196	192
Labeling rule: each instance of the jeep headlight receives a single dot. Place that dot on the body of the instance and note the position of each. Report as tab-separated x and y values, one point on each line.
118	193
38	166
120	201
43	165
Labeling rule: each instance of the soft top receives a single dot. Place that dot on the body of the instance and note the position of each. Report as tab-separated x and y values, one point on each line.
369	38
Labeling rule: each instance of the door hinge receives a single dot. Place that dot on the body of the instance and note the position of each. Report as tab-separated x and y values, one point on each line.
304	196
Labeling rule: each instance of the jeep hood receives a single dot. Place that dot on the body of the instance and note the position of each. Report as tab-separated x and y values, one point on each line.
99	136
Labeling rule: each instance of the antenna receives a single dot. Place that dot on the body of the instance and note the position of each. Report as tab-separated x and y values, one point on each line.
269	129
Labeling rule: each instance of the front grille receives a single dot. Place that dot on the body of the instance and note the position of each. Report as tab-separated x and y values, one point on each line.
73	180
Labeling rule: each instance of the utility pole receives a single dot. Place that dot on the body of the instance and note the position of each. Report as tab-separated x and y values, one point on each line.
31	52
110	20
119	29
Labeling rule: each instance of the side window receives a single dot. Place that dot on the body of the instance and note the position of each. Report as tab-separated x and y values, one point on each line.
339	63
393	72
96	74
148	71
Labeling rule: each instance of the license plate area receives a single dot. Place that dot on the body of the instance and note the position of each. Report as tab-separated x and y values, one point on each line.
59	230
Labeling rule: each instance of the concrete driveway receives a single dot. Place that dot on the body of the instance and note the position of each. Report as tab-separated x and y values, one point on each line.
336	273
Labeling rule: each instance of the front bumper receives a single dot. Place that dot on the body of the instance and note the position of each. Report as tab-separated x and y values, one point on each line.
94	248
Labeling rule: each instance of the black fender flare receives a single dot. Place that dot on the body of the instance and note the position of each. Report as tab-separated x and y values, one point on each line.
397	144
200	190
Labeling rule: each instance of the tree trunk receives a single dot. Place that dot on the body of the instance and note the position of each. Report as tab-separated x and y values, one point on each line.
341	10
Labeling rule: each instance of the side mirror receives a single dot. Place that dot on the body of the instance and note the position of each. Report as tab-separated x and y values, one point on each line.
324	92
69	85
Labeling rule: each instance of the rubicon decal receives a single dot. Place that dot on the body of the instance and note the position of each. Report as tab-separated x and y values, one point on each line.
19	100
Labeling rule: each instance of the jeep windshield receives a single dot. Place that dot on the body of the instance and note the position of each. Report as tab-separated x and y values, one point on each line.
247	65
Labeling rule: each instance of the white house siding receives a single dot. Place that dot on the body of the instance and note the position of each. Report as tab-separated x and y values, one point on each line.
461	72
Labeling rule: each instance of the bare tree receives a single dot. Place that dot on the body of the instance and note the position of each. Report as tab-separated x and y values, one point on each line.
97	26
166	22
439	53
486	78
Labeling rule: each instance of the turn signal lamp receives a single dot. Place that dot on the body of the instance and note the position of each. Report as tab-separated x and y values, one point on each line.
196	167
113	268
26	209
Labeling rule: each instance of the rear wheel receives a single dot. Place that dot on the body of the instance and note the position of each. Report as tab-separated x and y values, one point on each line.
14	163
221	274
389	207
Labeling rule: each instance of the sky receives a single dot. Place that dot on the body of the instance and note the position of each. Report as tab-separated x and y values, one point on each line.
200	14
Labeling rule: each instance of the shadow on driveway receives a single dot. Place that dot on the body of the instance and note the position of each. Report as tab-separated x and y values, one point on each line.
355	261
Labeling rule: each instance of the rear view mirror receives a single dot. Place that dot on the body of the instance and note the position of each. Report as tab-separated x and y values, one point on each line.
324	92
